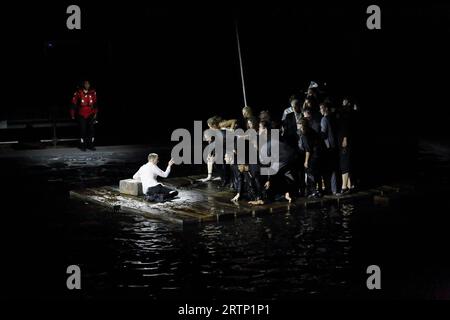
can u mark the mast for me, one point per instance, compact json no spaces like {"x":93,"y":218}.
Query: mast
{"x":240,"y":64}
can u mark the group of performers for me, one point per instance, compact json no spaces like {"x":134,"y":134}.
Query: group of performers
{"x":315,"y":150}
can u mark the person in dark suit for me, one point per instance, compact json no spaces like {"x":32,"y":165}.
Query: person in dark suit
{"x":345,"y":144}
{"x":290,"y":136}
{"x":331,"y":156}
{"x":290,"y":132}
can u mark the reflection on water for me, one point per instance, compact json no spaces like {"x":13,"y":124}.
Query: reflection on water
{"x":306,"y":253}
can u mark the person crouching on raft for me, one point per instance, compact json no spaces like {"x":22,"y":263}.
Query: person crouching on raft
{"x":148,"y":174}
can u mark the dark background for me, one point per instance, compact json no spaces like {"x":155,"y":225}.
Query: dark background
{"x":161,"y":66}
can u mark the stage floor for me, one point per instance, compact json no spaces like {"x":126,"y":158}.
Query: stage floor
{"x":200,"y":202}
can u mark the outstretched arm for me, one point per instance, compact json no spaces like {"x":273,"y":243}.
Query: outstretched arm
{"x":228,"y":124}
{"x":164,"y":174}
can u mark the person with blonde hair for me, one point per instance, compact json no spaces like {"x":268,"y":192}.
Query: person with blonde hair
{"x":247,"y":112}
{"x":148,"y":174}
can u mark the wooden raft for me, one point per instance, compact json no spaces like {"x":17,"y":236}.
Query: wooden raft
{"x":200,"y":202}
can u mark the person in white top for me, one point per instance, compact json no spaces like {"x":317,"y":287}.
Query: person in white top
{"x":217,"y":126}
{"x":148,"y":174}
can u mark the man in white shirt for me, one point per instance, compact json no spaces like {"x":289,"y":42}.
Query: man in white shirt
{"x":148,"y":175}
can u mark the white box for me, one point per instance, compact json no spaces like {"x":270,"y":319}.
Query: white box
{"x":131,"y":187}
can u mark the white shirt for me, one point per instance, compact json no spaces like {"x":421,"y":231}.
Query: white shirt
{"x":286,"y":112}
{"x":148,"y":174}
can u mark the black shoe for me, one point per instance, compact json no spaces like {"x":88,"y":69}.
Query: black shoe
{"x":83,"y":147}
{"x":92,"y":148}
{"x":343,"y":192}
{"x":315,"y":195}
{"x":173,"y":194}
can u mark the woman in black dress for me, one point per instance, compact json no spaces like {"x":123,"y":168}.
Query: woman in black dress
{"x":345,"y":144}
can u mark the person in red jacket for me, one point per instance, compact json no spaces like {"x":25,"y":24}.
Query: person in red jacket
{"x":84,"y":106}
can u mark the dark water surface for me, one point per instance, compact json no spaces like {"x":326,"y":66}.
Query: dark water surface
{"x":305,"y":253}
{"x":302,"y":254}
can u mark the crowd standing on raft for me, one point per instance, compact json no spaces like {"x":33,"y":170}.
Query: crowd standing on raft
{"x":315,"y":152}
{"x":316,"y":149}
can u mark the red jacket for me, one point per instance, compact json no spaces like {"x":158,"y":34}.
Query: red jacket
{"x":84,"y":103}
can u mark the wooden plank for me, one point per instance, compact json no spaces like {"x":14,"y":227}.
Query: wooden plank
{"x":118,"y":206}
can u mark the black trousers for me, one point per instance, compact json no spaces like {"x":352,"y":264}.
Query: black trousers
{"x":225,"y":174}
{"x":330,"y":170}
{"x":312,"y":177}
{"x":285,"y":180}
{"x":248,"y":183}
{"x":301,"y":173}
{"x":87,"y":130}
{"x":160,"y":193}
{"x":345,"y":160}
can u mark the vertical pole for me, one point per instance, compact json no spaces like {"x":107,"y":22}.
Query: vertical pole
{"x":240,"y":64}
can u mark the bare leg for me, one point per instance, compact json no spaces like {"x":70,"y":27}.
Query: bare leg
{"x":288,"y":197}
{"x":345,"y":181}
{"x":209,"y":164}
{"x":349,"y":183}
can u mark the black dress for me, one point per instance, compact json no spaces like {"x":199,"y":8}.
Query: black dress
{"x":290,"y":132}
{"x":344,"y":125}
